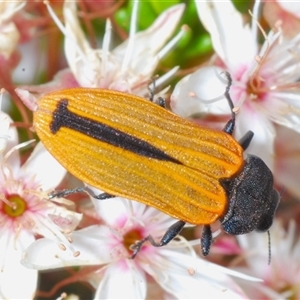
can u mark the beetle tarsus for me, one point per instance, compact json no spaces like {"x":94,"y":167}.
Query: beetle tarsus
{"x":66,"y":192}
{"x":169,"y":235}
{"x":161,"y":102}
{"x":101,"y":196}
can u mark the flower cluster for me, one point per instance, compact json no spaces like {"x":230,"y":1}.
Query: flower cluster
{"x":50,"y":46}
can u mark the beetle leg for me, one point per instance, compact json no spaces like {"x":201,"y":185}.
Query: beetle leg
{"x":206,"y":240}
{"x":161,"y":102}
{"x":170,"y":234}
{"x":101,"y":196}
{"x":64,"y":193}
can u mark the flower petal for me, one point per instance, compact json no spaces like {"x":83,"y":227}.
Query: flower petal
{"x":262,"y":143}
{"x":122,"y":280}
{"x":189,"y":277}
{"x":147,"y":43}
{"x":116,"y":211}
{"x":82,"y":59}
{"x":9,"y":34}
{"x":287,"y":168}
{"x":46,"y":169}
{"x":194,"y":93}
{"x":92,"y":243}
{"x":12,"y":275}
{"x":110,"y":210}
{"x":226,"y":26}
{"x":291,"y":7}
{"x":9,"y":139}
{"x":284,"y":108}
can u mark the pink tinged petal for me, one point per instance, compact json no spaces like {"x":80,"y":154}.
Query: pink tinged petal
{"x":9,"y":8}
{"x":226,"y":26}
{"x":30,"y":100}
{"x":44,"y":167}
{"x":31,"y":94}
{"x":226,"y":245}
{"x":62,"y":80}
{"x":122,"y":280}
{"x":125,"y":214}
{"x":188,"y":277}
{"x":111,"y":209}
{"x":12,"y":273}
{"x":94,"y":244}
{"x":146,"y":44}
{"x":55,"y":223}
{"x":199,"y":93}
{"x":155,"y":221}
{"x":287,"y":167}
{"x":64,"y":219}
{"x":279,"y":65}
{"x":293,"y":7}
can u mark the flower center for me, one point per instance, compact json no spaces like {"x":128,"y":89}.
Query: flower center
{"x":131,"y":237}
{"x":17,"y":207}
{"x":255,"y":88}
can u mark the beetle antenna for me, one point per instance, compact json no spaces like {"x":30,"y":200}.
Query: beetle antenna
{"x":227,"y":95}
{"x":269,"y":247}
{"x":229,"y":127}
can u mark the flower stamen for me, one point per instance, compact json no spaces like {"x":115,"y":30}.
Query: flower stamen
{"x":7,"y":202}
{"x":131,"y":38}
{"x":5,"y":166}
{"x":172,"y":42}
{"x":131,"y":237}
{"x":16,"y":206}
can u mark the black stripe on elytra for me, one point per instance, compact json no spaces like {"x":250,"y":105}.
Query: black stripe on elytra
{"x":62,"y":117}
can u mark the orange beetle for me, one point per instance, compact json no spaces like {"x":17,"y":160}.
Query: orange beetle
{"x":130,"y":147}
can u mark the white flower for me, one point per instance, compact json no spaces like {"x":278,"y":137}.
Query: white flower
{"x":175,"y":267}
{"x":25,"y":212}
{"x":283,"y":13}
{"x":9,"y":34}
{"x":265,"y":79}
{"x":127,"y":67}
{"x":281,"y":278}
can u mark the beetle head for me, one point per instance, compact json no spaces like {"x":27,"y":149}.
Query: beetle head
{"x":252,"y":199}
